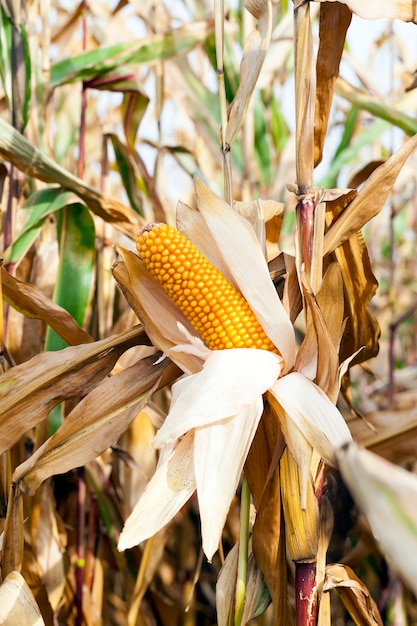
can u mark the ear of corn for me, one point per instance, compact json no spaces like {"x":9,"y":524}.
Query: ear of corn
{"x":214,"y":307}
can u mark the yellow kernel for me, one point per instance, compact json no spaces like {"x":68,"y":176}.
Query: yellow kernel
{"x":213,"y":306}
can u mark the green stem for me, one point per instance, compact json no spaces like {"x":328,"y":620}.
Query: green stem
{"x":242,"y":567}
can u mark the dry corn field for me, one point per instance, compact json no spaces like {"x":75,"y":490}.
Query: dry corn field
{"x":208,"y":383}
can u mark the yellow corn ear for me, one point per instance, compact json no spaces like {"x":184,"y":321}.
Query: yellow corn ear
{"x":214,"y":307}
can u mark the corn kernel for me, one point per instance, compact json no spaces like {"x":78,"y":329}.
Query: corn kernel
{"x":214,"y":307}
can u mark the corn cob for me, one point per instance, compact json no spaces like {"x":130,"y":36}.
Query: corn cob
{"x":214,"y":307}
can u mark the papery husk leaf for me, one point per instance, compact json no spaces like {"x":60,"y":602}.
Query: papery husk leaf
{"x":254,"y":52}
{"x":96,"y":422}
{"x":362,"y":329}
{"x":17,"y":604}
{"x":13,"y":536}
{"x":334,"y":22}
{"x":404,"y":10}
{"x":298,"y":445}
{"x":301,"y":525}
{"x":166,"y":493}
{"x":31,"y":302}
{"x":305,"y":93}
{"x":387,"y":495}
{"x":16,"y":149}
{"x":312,"y":412}
{"x":354,"y":594}
{"x":268,"y":535}
{"x":29,"y":391}
{"x":370,"y":200}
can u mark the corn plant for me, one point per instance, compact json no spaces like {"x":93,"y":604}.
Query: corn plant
{"x":207,"y":402}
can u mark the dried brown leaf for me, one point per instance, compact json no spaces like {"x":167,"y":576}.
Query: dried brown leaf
{"x":362,"y":329}
{"x":354,"y":595}
{"x":268,"y":535}
{"x":96,"y":422}
{"x":335,"y":19}
{"x":29,"y":391}
{"x":31,"y":302}
{"x":12,"y":548}
{"x":370,"y":199}
{"x":320,"y":347}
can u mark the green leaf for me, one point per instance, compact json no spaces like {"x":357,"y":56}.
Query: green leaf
{"x":95,"y":63}
{"x":39,"y":205}
{"x":76,"y":267}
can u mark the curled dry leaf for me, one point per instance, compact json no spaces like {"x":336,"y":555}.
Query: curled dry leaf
{"x":30,"y":301}
{"x":370,"y":199}
{"x":359,"y":283}
{"x":17,"y":604}
{"x":353,"y":593}
{"x":30,"y":391}
{"x":96,"y":422}
{"x":335,"y":19}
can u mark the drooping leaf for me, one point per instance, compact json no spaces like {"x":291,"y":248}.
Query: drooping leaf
{"x":369,"y":200}
{"x":95,"y":423}
{"x":30,"y":390}
{"x":335,"y":19}
{"x":353,"y":593}
{"x":103,"y":61}
{"x":32,"y":302}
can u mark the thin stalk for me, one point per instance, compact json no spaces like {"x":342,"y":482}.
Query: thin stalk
{"x":305,"y":593}
{"x":80,"y":564}
{"x":242,"y":567}
{"x":225,"y":148}
{"x":82,"y":488}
